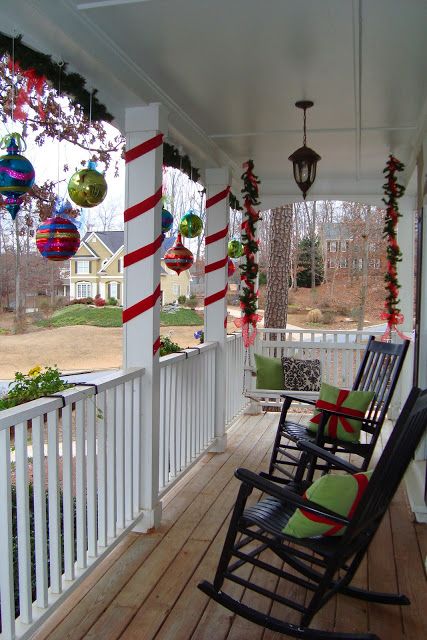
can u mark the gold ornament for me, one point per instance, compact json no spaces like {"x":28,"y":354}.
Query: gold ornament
{"x":87,"y":188}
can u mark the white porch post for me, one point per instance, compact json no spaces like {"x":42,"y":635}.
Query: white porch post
{"x":416,"y":475}
{"x":141,"y":314}
{"x":405,"y":270}
{"x":217,"y":215}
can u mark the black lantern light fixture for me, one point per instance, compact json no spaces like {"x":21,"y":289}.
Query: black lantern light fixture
{"x":304,"y":159}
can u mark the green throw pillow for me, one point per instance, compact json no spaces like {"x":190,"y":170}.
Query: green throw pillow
{"x":340,"y":494}
{"x":352,"y":403}
{"x":269,"y":372}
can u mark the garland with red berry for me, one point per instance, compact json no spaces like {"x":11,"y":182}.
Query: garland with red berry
{"x":249,"y":296}
{"x":392,"y":191}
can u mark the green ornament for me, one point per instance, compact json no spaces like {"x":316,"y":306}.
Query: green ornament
{"x":87,"y":188}
{"x":235,"y":249}
{"x":191,"y":225}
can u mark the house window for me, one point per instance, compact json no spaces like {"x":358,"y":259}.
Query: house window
{"x":375,"y":263}
{"x":84,"y":290}
{"x":343,"y":263}
{"x":332,"y":246}
{"x":330,"y":263}
{"x":82,"y":266}
{"x":176,"y":290}
{"x":120,"y":265}
{"x":344,"y":245}
{"x":358,"y":264}
{"x":113,"y":290}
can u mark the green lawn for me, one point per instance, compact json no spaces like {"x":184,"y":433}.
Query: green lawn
{"x":112,"y":317}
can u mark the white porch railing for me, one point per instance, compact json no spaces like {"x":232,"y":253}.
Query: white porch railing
{"x":235,"y":399}
{"x":76,"y":459}
{"x":72,"y":465}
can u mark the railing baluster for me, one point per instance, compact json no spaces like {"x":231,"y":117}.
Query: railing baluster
{"x":120,"y":456}
{"x":54,"y":513}
{"x":162,"y":427}
{"x":111,"y":463}
{"x":40,"y":532}
{"x":6,"y":542}
{"x":129,"y":445}
{"x":137,"y":425}
{"x":68,"y":494}
{"x":173,"y":423}
{"x":102,"y":467}
{"x":23,"y":522}
{"x":90,"y":410}
{"x":81,"y":519}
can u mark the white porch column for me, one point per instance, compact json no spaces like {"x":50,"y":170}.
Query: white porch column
{"x":416,"y":475}
{"x":141,"y":314}
{"x":216,"y":284}
{"x":405,"y":270}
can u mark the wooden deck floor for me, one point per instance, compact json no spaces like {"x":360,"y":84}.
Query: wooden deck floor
{"x":146,"y":588}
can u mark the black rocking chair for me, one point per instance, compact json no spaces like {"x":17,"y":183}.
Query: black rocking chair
{"x":322,"y":566}
{"x":378,"y":372}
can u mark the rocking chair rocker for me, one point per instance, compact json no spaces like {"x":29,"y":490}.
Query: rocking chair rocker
{"x":323,"y":566}
{"x":378,"y":373}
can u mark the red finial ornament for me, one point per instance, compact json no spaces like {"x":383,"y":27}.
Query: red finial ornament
{"x":178,"y":258}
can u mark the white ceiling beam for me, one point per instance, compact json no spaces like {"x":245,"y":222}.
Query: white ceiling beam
{"x":275,"y":132}
{"x":97,"y":4}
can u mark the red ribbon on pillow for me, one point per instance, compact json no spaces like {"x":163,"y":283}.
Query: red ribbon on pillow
{"x":362,"y":482}
{"x":333,"y":422}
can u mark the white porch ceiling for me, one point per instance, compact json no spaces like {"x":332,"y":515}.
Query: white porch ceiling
{"x":230,"y":71}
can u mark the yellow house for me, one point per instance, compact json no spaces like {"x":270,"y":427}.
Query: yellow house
{"x":97,"y":268}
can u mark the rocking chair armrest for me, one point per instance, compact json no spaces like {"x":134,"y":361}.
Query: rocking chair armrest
{"x":327,"y":456}
{"x":291,"y":398}
{"x":286,"y":495}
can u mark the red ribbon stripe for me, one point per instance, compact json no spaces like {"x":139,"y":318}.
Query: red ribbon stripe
{"x":217,"y":198}
{"x":141,"y":306}
{"x":335,"y":420}
{"x":143,"y":148}
{"x":156,"y":346}
{"x":143,"y":252}
{"x":216,"y":296}
{"x":219,"y":235}
{"x":214,"y":266}
{"x":142,"y":207}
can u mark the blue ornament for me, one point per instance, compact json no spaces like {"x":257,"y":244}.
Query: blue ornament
{"x":167,"y":220}
{"x":16,"y":173}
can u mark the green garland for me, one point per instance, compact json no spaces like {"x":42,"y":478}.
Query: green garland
{"x":72,"y":84}
{"x":392,"y":191}
{"x":249,"y":296}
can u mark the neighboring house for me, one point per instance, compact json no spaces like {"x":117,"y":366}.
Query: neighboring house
{"x":344,"y":251}
{"x":97,"y":268}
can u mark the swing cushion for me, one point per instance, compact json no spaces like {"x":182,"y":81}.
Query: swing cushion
{"x":339,"y":493}
{"x":352,"y":403}
{"x":269,"y":372}
{"x":301,"y":375}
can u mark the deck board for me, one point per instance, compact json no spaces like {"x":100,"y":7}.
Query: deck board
{"x":147,"y":588}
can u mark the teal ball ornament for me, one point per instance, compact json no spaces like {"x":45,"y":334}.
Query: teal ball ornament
{"x":167,"y":220}
{"x":16,"y":174}
{"x":191,"y":225}
{"x":235,"y":249}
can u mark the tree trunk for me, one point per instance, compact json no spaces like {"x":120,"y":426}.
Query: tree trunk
{"x":278,"y":267}
{"x":364,"y":285}
{"x":19,"y":315}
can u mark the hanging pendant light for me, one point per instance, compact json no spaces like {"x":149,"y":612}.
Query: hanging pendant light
{"x":304,"y":159}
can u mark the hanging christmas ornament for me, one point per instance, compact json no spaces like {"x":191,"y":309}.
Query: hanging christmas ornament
{"x":16,"y":173}
{"x":231,"y":267}
{"x":57,"y":238}
{"x":178,"y":258}
{"x":235,"y":249}
{"x":87,"y":187}
{"x":191,"y":225}
{"x":167,"y":220}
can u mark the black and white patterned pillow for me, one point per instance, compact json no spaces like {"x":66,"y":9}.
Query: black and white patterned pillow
{"x":301,"y":375}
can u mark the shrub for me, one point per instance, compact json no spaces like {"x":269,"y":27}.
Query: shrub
{"x":182,"y":299}
{"x":314,"y":316}
{"x":167,"y":346}
{"x":32,"y":385}
{"x":112,"y":302}
{"x":99,"y":302}
{"x":81,"y":301}
{"x":328,"y":316}
{"x":192,"y":302}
